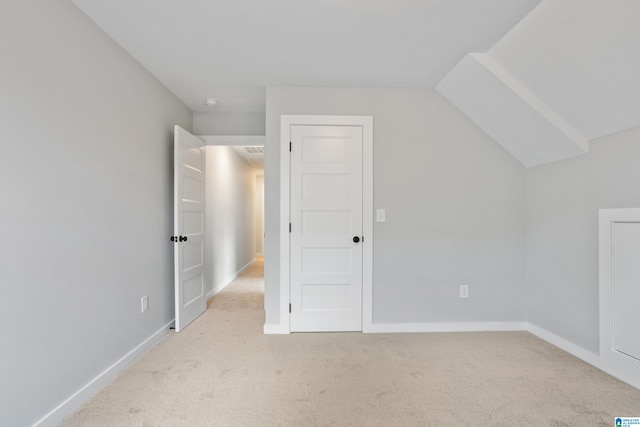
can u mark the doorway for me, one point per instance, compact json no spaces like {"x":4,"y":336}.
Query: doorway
{"x":233,"y":206}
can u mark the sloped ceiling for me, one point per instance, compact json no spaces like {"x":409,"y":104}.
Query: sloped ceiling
{"x":232,"y":50}
{"x":541,"y":78}
{"x":567,"y":73}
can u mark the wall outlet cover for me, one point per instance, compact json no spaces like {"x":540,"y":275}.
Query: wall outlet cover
{"x":464,"y":291}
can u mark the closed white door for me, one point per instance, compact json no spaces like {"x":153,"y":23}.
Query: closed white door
{"x":326,"y":228}
{"x":189,"y":180}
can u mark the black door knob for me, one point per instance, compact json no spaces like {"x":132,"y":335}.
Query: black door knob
{"x":173,"y":238}
{"x":183,"y":238}
{"x":356,"y":239}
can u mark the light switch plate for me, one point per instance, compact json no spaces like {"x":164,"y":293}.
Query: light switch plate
{"x":381,"y":215}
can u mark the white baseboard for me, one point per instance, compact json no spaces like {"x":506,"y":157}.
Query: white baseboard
{"x":74,"y":401}
{"x":274,"y":329}
{"x":446,"y":327}
{"x":627,"y":373}
{"x":228,"y":280}
{"x":277,"y":328}
{"x":566,"y":345}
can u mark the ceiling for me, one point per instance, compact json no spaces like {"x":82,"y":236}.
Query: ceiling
{"x":540,"y":77}
{"x":253,"y":155}
{"x":231,"y":50}
{"x":564,"y":75}
{"x":582,"y":58}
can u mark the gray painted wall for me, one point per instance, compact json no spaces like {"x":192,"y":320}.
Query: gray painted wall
{"x":563,"y":199}
{"x":455,"y":207}
{"x":229,"y":223}
{"x":86,"y":187}
{"x":228,"y":123}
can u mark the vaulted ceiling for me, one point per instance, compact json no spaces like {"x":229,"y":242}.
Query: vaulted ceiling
{"x":232,"y":49}
{"x":567,"y":73}
{"x":542,"y":78}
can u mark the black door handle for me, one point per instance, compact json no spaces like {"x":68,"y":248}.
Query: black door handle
{"x":174,"y":238}
{"x":183,"y":238}
{"x":356,"y":239}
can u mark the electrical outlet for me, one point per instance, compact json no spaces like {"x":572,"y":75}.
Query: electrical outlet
{"x":464,"y":291}
{"x":144,"y":304}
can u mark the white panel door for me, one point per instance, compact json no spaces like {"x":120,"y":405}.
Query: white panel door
{"x":326,"y":228}
{"x":626,"y":288}
{"x":189,"y":181}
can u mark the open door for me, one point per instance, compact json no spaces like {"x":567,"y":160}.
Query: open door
{"x":188,"y":238}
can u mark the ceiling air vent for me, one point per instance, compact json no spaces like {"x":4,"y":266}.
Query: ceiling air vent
{"x":254,"y":149}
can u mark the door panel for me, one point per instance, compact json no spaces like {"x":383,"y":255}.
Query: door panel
{"x":189,"y":180}
{"x":326,"y":213}
{"x":332,"y":189}
{"x":319,"y":297}
{"x":326,"y":261}
{"x":321,"y":224}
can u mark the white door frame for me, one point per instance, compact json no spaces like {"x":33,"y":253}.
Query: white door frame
{"x":366,"y":122}
{"x":616,"y":363}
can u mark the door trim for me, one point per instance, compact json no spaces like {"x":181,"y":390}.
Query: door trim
{"x":366,"y":122}
{"x":619,"y":364}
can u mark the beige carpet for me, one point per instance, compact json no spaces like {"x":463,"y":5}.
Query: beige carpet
{"x":222,"y":371}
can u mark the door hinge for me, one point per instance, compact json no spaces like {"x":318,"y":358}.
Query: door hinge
{"x":289,"y":308}
{"x":290,"y":146}
{"x":289,"y":227}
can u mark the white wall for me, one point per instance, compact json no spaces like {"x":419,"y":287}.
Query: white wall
{"x":229,"y":224}
{"x":86,"y":189}
{"x":454,"y":201}
{"x":563,"y":199}
{"x":259,"y":212}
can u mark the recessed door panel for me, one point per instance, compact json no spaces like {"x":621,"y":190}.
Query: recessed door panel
{"x":336,"y":297}
{"x":325,"y":150}
{"x":334,"y":188}
{"x":193,"y":290}
{"x":192,"y":188}
{"x":324,"y":224}
{"x":192,"y":221}
{"x":192,"y":256}
{"x":191,"y":158}
{"x":326,"y":261}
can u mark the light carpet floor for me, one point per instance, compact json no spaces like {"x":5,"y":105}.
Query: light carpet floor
{"x":222,"y":371}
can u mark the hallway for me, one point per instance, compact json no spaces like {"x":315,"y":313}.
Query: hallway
{"x":244,"y":293}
